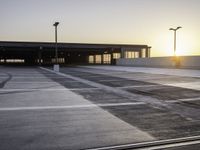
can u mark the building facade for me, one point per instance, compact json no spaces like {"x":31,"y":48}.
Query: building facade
{"x":43,"y":53}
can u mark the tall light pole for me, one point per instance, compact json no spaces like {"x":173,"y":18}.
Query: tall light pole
{"x":175,"y":38}
{"x":56,"y":66}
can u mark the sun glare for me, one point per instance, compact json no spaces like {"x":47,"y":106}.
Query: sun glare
{"x":181,"y":52}
{"x":184,"y":44}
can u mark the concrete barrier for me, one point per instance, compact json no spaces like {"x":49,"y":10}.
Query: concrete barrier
{"x":168,"y":62}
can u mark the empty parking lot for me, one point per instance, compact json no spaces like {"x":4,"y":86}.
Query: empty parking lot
{"x":98,"y":107}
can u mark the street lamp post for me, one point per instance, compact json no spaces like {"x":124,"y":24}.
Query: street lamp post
{"x":56,"y":66}
{"x":4,"y":55}
{"x":40,"y":55}
{"x":175,"y":38}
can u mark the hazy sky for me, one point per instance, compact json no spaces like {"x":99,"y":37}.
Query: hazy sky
{"x":105,"y":21}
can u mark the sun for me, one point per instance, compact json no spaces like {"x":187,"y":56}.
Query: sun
{"x":165,"y":44}
{"x":185,"y":43}
{"x":181,"y":52}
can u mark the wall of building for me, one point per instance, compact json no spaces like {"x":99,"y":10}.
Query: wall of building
{"x":171,"y":62}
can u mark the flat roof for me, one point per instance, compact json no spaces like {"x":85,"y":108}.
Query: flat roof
{"x":67,"y":45}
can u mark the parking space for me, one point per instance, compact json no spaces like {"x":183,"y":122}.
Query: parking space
{"x":90,"y":107}
{"x":161,"y":122}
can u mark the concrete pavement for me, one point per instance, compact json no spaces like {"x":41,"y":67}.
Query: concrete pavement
{"x":185,"y":78}
{"x":96,"y":107}
{"x":33,"y":115}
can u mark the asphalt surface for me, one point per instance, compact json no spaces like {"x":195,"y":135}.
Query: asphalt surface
{"x":92,"y":107}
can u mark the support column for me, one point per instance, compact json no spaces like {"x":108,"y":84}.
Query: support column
{"x":4,"y":55}
{"x":122,"y":53}
{"x":65,"y":57}
{"x":140,"y":53}
{"x":102,"y":59}
{"x":94,"y":59}
{"x":111,"y":59}
{"x":40,"y":57}
{"x":148,"y":51}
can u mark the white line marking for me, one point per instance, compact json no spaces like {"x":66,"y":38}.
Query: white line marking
{"x":39,"y":82}
{"x":33,"y":82}
{"x":11,"y":90}
{"x":75,"y":89}
{"x":71,"y":106}
{"x":139,"y":86}
{"x":33,"y":77}
{"x":109,"y":80}
{"x":170,"y":145}
{"x":151,"y":143}
{"x":184,"y":100}
{"x":59,"y":89}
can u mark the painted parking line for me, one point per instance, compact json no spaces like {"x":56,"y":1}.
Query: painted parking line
{"x":33,"y":77}
{"x":112,"y":80}
{"x":50,"y":89}
{"x":136,"y":86}
{"x":155,"y":145}
{"x":71,"y":106}
{"x":33,"y":82}
{"x":39,"y":82}
{"x":175,"y":145}
{"x":36,"y":82}
{"x":184,"y":100}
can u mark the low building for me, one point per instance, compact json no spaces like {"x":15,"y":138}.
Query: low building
{"x":43,"y":53}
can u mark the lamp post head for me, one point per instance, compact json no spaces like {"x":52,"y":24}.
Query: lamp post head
{"x":56,"y":24}
{"x":175,"y":29}
{"x":178,"y":28}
